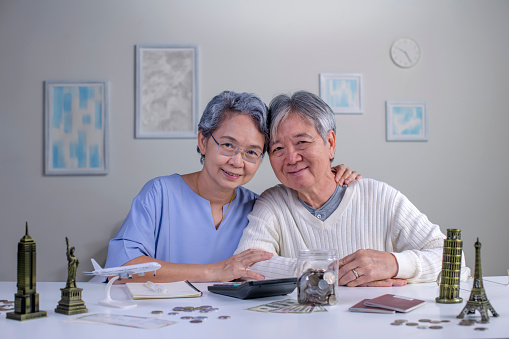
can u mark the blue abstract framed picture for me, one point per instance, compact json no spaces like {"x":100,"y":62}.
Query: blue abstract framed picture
{"x":342,"y":92}
{"x":407,"y":121}
{"x":76,"y":118}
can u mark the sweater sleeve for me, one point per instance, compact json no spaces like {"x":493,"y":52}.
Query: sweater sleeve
{"x":417,"y":243}
{"x":263,"y":233}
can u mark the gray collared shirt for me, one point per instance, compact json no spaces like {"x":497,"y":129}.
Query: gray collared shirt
{"x":330,"y":206}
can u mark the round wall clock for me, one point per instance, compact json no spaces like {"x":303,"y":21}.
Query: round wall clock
{"x":405,"y":52}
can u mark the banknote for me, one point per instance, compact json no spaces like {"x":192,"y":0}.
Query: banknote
{"x":287,"y":306}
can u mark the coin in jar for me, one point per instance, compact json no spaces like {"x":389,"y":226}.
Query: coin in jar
{"x":323,"y":285}
{"x":329,"y":276}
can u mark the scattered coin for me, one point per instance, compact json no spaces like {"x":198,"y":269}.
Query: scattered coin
{"x":208,"y":310}
{"x":411,"y":324}
{"x":435,"y":321}
{"x":400,"y":321}
{"x":422,"y":327}
{"x":201,"y":317}
{"x":436,"y":327}
{"x":157,"y":312}
{"x":223,"y":317}
{"x":446,"y":321}
{"x":396,"y":324}
{"x":178,"y":309}
{"x":424,"y":320}
{"x":480,"y":328}
{"x":173,"y":313}
{"x":466,"y":322}
{"x":189,"y":309}
{"x":196,"y":321}
{"x":186,"y":317}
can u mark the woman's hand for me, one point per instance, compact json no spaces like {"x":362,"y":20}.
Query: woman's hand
{"x":237,"y":266}
{"x":344,"y":175}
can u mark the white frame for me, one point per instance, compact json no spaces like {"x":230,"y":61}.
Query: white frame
{"x":353,"y":96}
{"x":76,"y":127}
{"x":160,"y":113}
{"x":396,"y":128}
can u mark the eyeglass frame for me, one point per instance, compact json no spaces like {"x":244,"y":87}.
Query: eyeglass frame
{"x":237,"y":151}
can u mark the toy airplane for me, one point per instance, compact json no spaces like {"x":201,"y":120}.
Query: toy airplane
{"x":118,"y":273}
{"x":124,"y":271}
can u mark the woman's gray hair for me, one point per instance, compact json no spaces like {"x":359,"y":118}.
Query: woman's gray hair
{"x":229,"y":103}
{"x":306,"y":105}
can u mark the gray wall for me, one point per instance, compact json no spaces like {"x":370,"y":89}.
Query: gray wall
{"x":458,"y":178}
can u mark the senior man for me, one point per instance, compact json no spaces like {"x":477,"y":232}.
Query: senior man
{"x":381,"y":237}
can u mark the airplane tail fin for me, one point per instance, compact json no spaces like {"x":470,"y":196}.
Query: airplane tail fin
{"x":96,"y":265}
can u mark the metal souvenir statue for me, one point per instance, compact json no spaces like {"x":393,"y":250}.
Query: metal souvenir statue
{"x":71,"y":302}
{"x":478,"y":300}
{"x":451,"y":269}
{"x":26,"y":300}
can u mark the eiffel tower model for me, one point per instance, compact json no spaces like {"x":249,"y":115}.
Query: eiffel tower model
{"x":478,"y":300}
{"x":26,"y":301}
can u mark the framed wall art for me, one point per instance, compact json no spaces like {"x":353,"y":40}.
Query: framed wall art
{"x":342,"y":92}
{"x":166,"y":91}
{"x":76,"y":118}
{"x":406,"y":121}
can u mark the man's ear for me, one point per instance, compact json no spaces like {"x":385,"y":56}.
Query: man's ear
{"x":331,"y":143}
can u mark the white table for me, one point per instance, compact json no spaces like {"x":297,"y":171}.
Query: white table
{"x":338,"y":322}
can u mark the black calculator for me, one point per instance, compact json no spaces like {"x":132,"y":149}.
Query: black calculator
{"x":255,"y":289}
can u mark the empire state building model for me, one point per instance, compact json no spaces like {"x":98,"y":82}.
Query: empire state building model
{"x":26,"y":301}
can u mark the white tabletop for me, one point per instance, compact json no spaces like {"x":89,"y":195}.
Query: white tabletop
{"x":338,"y":322}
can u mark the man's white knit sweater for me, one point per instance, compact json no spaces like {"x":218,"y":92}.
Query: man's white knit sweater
{"x":372,"y":215}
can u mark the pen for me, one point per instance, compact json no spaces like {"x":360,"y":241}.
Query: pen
{"x":155,"y":287}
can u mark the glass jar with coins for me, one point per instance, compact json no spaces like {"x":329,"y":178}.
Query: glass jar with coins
{"x":318,"y":277}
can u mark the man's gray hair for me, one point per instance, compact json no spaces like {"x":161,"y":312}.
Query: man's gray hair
{"x":229,"y":103}
{"x":306,"y":105}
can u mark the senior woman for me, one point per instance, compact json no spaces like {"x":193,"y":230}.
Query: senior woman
{"x":380,"y":235}
{"x":191,"y":224}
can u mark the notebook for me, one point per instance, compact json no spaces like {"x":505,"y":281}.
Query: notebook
{"x":360,"y":307}
{"x":178,"y":289}
{"x":395,"y":302}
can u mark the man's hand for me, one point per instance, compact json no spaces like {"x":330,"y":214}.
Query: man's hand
{"x":344,"y":175}
{"x":236,"y":266}
{"x":369,"y":268}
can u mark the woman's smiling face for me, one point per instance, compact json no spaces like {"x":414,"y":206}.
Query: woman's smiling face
{"x":229,"y":172}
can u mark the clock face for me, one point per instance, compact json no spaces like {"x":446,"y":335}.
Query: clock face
{"x":405,"y":52}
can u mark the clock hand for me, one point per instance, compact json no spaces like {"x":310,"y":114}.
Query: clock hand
{"x":405,"y":52}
